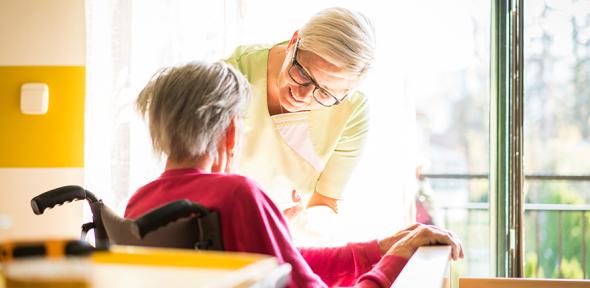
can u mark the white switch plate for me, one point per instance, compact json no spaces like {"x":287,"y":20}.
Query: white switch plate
{"x":5,"y":221}
{"x":34,"y":98}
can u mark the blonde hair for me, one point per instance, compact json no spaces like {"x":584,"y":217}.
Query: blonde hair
{"x":188,"y":108}
{"x":342,"y":37}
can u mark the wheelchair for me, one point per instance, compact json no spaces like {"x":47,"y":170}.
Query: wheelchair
{"x":180,"y":224}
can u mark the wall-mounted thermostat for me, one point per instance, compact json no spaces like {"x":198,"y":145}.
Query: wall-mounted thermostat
{"x":34,"y":98}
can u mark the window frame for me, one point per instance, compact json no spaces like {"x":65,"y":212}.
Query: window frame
{"x":506,"y":141}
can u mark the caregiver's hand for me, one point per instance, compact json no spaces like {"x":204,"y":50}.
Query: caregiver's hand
{"x":292,"y":212}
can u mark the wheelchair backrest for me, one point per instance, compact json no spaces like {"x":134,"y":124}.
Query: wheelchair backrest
{"x":178,"y":224}
{"x":193,"y":232}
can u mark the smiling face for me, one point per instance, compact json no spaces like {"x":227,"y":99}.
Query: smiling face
{"x":295,"y":97}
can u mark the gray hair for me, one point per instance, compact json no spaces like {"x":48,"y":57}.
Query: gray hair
{"x":189,"y":107}
{"x":342,"y":37}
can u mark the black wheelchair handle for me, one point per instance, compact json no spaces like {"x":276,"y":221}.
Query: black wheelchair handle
{"x":59,"y":196}
{"x":165,"y":215}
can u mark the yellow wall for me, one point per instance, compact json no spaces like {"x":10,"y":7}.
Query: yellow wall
{"x":55,"y":139}
{"x":42,"y":41}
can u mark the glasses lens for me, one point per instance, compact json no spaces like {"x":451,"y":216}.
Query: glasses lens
{"x":298,"y":75}
{"x":324,"y":98}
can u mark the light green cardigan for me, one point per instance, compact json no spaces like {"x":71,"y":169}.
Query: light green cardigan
{"x":336,"y":134}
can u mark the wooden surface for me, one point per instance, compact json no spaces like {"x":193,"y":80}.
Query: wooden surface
{"x":125,"y":266}
{"x":468,"y":282}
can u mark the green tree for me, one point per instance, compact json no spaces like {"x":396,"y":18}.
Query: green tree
{"x":560,"y":233}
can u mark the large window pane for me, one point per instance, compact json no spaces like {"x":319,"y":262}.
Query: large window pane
{"x":557,"y":134}
{"x":468,"y":218}
{"x":452,"y":114}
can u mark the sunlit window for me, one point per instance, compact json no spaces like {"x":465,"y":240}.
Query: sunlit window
{"x":557,"y":138}
{"x":450,"y":83}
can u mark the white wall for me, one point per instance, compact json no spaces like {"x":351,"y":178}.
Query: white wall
{"x":49,"y":34}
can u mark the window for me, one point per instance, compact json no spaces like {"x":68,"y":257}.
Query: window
{"x":557,"y":138}
{"x":451,"y":87}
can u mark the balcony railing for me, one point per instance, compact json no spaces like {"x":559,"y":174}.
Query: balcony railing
{"x":533,"y":212}
{"x":526,"y":177}
{"x":536,"y":210}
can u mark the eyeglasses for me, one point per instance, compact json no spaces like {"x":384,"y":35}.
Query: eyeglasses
{"x":302,"y":78}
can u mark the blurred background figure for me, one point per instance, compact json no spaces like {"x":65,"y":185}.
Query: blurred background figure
{"x":424,"y":202}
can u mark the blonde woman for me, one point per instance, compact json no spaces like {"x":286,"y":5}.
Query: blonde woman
{"x":306,"y":123}
{"x":194,"y":117}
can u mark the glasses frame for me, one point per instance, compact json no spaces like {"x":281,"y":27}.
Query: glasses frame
{"x":312,"y":81}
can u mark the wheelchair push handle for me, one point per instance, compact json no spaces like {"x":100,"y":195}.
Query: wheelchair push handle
{"x":165,"y":215}
{"x":59,"y":196}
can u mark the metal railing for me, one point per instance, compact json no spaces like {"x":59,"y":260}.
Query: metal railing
{"x":535,"y":209}
{"x":526,"y":177}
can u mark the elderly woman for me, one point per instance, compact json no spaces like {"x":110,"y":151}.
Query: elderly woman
{"x":306,"y":123}
{"x":194,"y":114}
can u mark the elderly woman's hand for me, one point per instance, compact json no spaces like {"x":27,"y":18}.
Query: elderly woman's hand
{"x":385,"y":244}
{"x":405,"y":242}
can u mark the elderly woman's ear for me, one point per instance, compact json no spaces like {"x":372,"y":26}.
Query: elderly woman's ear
{"x":226,"y":148}
{"x":232,"y":138}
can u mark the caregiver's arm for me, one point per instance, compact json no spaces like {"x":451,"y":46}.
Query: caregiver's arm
{"x":318,"y":199}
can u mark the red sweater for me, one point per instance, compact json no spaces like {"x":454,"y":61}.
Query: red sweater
{"x":250,"y":222}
